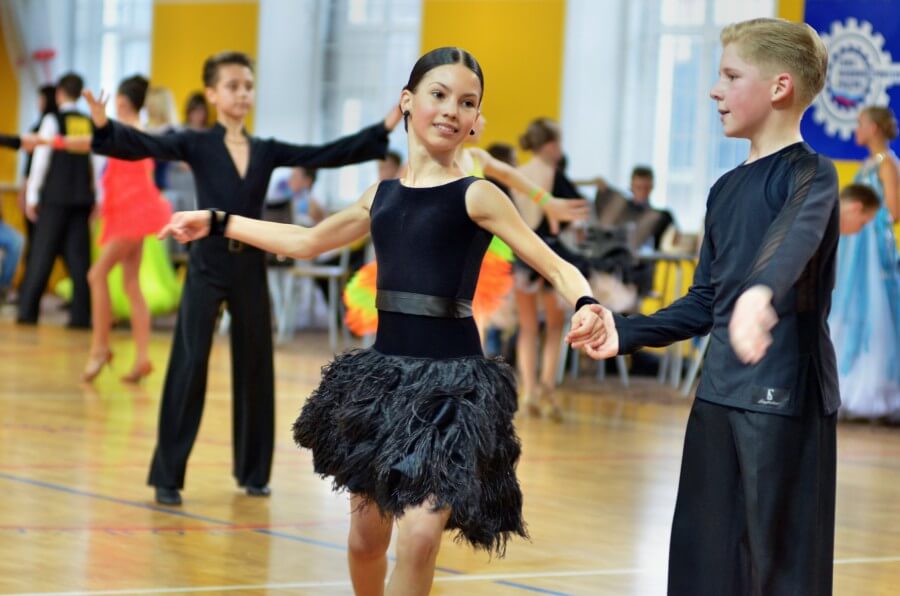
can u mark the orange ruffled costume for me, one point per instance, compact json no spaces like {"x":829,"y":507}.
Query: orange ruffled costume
{"x":132,"y":205}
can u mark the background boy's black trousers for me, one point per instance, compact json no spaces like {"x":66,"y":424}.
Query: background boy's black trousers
{"x":60,"y":230}
{"x":220,"y":270}
{"x":755,"y":508}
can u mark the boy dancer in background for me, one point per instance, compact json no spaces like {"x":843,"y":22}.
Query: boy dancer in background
{"x":231,"y":169}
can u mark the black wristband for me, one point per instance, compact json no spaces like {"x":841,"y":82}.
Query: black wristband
{"x":585,"y":300}
{"x":218,"y":221}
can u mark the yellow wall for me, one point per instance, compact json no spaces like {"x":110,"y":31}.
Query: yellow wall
{"x":9,"y":115}
{"x":9,"y":124}
{"x":791,"y":10}
{"x":520,"y":48}
{"x":794,"y":10}
{"x":185,"y":33}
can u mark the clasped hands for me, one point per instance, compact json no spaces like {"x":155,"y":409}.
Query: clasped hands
{"x":749,"y":331}
{"x":593,"y":331}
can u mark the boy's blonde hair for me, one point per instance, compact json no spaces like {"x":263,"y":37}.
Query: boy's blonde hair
{"x":779,"y":44}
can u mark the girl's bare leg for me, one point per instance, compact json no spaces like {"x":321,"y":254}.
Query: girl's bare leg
{"x":554,"y":319}
{"x":140,"y":316}
{"x":418,"y":543}
{"x":101,"y":312}
{"x":526,"y":348}
{"x":370,"y":536}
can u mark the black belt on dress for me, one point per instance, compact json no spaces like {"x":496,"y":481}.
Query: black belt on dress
{"x":409,"y":303}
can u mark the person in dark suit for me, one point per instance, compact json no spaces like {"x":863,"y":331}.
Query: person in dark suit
{"x":231,"y":169}
{"x":755,"y":507}
{"x":60,"y":199}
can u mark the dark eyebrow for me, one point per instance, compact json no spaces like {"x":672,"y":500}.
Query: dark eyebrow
{"x":448,"y":89}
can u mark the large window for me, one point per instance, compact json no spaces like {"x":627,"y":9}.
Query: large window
{"x":636,"y":91}
{"x":370,"y":45}
{"x":123,"y":28}
{"x":690,"y":151}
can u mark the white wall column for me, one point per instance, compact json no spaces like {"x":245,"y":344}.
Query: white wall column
{"x":289,"y":70}
{"x":593,"y":81}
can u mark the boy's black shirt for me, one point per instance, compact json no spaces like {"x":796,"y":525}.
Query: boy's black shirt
{"x":218,"y":183}
{"x":772,"y":222}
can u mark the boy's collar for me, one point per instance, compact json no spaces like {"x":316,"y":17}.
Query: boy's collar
{"x":220,"y":129}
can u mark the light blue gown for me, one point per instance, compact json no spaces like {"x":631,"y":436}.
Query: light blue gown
{"x":865,"y":315}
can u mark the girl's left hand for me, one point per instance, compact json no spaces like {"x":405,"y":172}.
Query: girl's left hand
{"x":587,"y":327}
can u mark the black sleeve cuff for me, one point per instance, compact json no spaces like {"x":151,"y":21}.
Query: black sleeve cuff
{"x":101,"y":135}
{"x":625,"y":340}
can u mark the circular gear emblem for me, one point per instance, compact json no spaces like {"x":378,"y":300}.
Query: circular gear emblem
{"x":859,"y":75}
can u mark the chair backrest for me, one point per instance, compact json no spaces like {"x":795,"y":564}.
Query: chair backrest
{"x":609,"y":204}
{"x":279,"y":213}
{"x":645,"y":226}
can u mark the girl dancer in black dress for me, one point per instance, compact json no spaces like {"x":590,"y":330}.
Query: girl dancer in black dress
{"x":419,"y":427}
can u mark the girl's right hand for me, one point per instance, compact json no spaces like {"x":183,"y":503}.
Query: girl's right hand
{"x":97,"y":106}
{"x":186,"y":226}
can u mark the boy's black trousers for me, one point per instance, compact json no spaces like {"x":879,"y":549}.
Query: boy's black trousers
{"x":220,"y":270}
{"x":755,"y":509}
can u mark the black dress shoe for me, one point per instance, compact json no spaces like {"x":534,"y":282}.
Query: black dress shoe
{"x":168,"y":496}
{"x":258,"y":491}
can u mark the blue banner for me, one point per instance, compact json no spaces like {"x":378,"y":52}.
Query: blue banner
{"x":862,"y":38}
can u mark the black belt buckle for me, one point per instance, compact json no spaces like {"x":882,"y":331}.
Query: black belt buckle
{"x":235,"y":245}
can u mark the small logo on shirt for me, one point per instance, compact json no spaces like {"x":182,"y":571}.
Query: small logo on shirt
{"x":771,"y":397}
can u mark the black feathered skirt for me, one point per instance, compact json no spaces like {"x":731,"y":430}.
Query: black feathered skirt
{"x":400,"y":431}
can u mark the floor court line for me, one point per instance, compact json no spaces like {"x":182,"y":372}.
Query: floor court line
{"x":170,"y":511}
{"x":500,"y":578}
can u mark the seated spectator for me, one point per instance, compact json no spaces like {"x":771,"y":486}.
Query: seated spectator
{"x":650,"y":223}
{"x":196,"y":112}
{"x":296,"y":189}
{"x":859,"y":205}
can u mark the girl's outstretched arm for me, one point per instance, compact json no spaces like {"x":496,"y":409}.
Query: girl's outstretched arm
{"x":290,"y":240}
{"x":556,"y":210}
{"x":489,"y":208}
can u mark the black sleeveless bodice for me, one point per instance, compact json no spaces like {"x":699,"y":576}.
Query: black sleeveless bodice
{"x":425,"y":243}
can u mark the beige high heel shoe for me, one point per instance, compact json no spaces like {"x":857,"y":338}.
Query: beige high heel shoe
{"x":138,"y":372}
{"x":548,"y":394}
{"x":532,"y":404}
{"x":94,"y":365}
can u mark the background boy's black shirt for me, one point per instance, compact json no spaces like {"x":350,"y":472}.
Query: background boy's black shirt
{"x":772,"y":222}
{"x":218,"y":183}
{"x":69,"y":181}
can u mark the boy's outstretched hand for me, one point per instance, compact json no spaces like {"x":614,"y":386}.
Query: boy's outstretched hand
{"x":97,"y":106}
{"x":30,"y":141}
{"x":607,"y":345}
{"x":751,"y":321}
{"x":393,"y":118}
{"x":186,"y":226}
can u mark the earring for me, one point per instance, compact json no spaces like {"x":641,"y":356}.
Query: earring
{"x":406,"y":113}
{"x":472,"y":132}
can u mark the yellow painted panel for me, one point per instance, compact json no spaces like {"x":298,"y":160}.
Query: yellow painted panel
{"x":791,"y":10}
{"x":519,"y":45}
{"x":186,"y":33}
{"x":9,"y":115}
